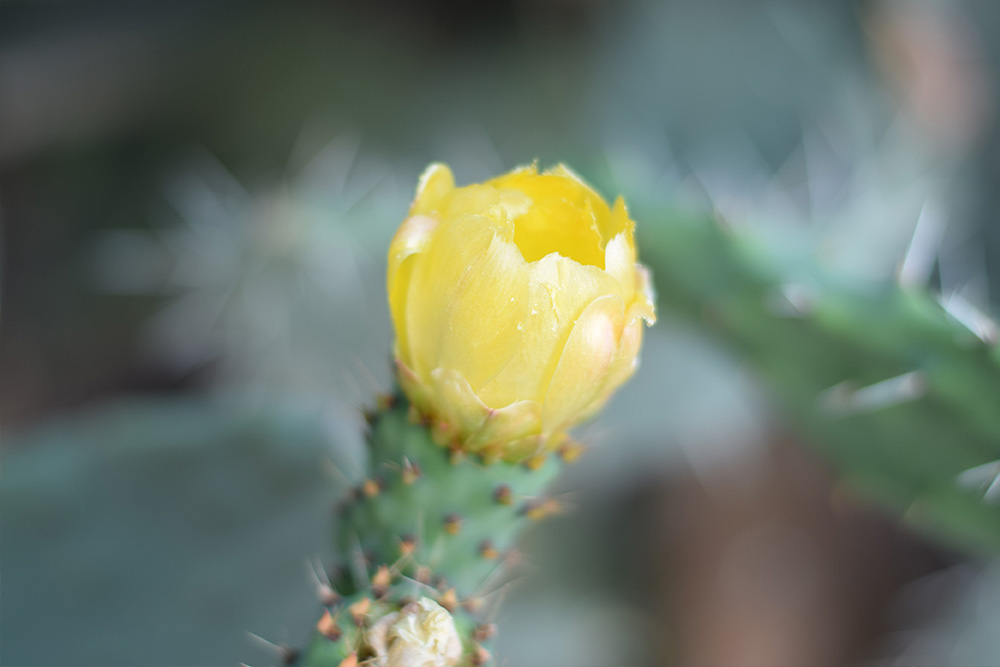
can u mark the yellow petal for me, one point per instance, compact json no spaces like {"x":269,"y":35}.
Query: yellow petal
{"x":410,"y":240}
{"x":610,"y":222}
{"x":434,"y":284}
{"x":627,"y":356}
{"x":411,"y":237}
{"x":399,"y":291}
{"x":620,"y":223}
{"x":435,"y":184}
{"x":584,"y":363}
{"x":485,"y":318}
{"x":565,"y":215}
{"x":479,"y":200}
{"x":558,"y":291}
{"x":624,"y":364}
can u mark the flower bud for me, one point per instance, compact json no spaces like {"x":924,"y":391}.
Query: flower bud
{"x":421,"y":634}
{"x":518,"y":306}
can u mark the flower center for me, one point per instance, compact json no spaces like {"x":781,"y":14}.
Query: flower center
{"x":555,"y":214}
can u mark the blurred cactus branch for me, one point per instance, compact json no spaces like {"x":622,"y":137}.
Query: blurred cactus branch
{"x":897,"y":389}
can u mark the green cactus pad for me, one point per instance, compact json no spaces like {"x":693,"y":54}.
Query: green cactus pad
{"x":894,"y":389}
{"x":453,"y":506}
{"x":440,"y":523}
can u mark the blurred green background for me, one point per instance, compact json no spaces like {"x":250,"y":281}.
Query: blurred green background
{"x":196,"y":199}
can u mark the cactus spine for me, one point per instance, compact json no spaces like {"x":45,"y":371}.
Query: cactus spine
{"x":428,"y":522}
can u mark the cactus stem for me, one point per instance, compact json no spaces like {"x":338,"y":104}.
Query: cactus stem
{"x":425,"y":521}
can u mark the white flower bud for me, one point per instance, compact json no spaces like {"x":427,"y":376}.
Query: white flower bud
{"x":422,"y":634}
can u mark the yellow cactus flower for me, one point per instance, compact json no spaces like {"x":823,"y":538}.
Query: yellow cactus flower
{"x":518,"y":306}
